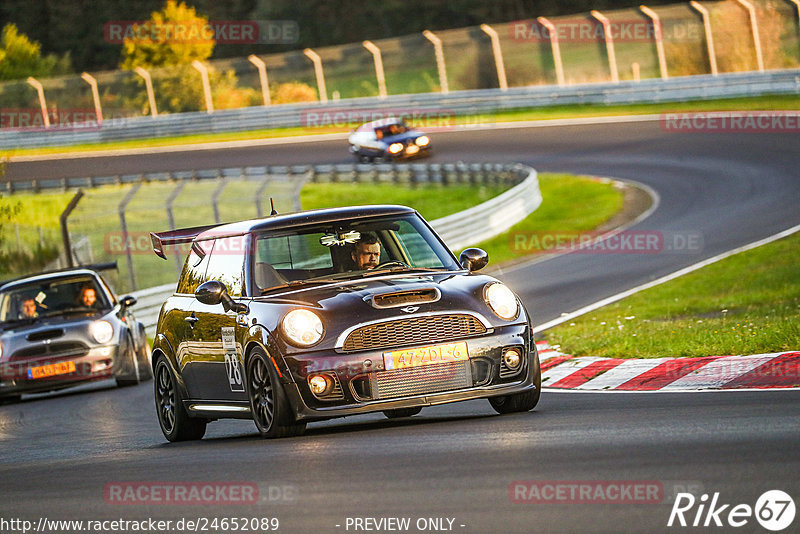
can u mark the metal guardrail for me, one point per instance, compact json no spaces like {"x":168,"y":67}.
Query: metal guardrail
{"x":459,"y":230}
{"x":484,"y":101}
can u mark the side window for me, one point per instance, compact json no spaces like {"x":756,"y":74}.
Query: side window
{"x":226,"y":263}
{"x":193,"y":274}
{"x":415,"y":247}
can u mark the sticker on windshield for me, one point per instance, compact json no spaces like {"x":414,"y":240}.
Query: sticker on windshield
{"x":40,"y":297}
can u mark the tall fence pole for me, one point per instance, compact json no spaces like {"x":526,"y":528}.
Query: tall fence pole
{"x":33,"y":82}
{"x":319,"y":73}
{"x":609,"y":38}
{"x":62,"y":219}
{"x":440,"y":65}
{"x":203,"y":70}
{"x":498,"y":55}
{"x":712,"y":55}
{"x":148,"y":84}
{"x":262,"y":76}
{"x":260,"y":196}
{"x":751,"y":10}
{"x":98,"y":109}
{"x":173,"y":196}
{"x":123,"y":225}
{"x":215,"y":198}
{"x":378,"y":59}
{"x":554,"y":45}
{"x":658,"y":36}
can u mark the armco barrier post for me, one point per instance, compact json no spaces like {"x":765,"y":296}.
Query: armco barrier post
{"x":751,"y":10}
{"x":123,"y":226}
{"x":378,"y":59}
{"x":498,"y":55}
{"x":148,"y":83}
{"x":171,"y":219}
{"x":712,"y":55}
{"x":203,"y":70}
{"x":609,"y":38}
{"x":33,"y":82}
{"x":64,"y":230}
{"x":658,"y":36}
{"x":440,"y":65}
{"x":98,"y":109}
{"x":319,"y":73}
{"x":262,"y":76}
{"x":551,"y":29}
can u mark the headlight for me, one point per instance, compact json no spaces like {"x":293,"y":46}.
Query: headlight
{"x":302,"y":327}
{"x":501,"y":300}
{"x":1,"y":349}
{"x":422,"y":140}
{"x":101,"y":331}
{"x":394,"y":148}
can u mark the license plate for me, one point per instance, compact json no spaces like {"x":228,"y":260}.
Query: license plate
{"x":60,"y":368}
{"x":449,"y":352}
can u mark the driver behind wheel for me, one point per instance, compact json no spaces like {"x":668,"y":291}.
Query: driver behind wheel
{"x":367,"y":252}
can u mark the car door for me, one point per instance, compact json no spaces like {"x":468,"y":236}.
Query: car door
{"x":216,"y":347}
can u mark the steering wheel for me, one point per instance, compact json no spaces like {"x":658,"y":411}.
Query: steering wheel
{"x":390,"y":263}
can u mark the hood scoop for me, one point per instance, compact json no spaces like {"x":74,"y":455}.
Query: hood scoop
{"x":397,"y":299}
{"x":41,"y":335}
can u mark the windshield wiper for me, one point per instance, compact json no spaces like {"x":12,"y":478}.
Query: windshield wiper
{"x":68,"y":311}
{"x":400,"y":268}
{"x":23,"y":320}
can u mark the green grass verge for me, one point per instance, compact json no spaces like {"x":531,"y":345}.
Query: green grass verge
{"x":746,"y":304}
{"x":569,"y":204}
{"x":774,"y":102}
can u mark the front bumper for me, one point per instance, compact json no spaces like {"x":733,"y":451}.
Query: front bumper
{"x":16,"y":376}
{"x":357,"y":375}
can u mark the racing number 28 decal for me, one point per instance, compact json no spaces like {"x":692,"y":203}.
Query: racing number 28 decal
{"x":232,"y":365}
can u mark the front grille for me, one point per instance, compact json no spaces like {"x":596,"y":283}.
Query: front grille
{"x":71,"y":349}
{"x":414,"y":330}
{"x":423,"y":379}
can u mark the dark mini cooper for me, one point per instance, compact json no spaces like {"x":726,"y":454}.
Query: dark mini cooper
{"x":387,"y":140}
{"x":62,"y":328}
{"x":327,"y":313}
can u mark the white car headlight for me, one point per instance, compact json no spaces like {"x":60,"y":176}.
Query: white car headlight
{"x":422,"y":140}
{"x":394,"y":148}
{"x":101,"y":331}
{"x":501,"y":300}
{"x":302,"y":327}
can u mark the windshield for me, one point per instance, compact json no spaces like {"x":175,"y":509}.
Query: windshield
{"x":391,"y":129}
{"x":342,"y":250}
{"x":52,"y":297}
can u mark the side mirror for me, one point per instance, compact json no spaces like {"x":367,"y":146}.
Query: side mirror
{"x":214,"y":292}
{"x":127,"y":301}
{"x":473,"y":259}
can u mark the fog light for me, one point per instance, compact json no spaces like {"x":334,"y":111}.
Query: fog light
{"x":412,"y":149}
{"x":319,"y":384}
{"x":512,"y":358}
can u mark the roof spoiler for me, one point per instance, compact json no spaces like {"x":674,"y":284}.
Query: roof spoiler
{"x":176,"y":237}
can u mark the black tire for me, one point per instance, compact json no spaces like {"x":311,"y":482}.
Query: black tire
{"x":126,"y":374}
{"x":521,"y":402}
{"x":272,"y":414}
{"x":402,"y":412}
{"x":173,"y":419}
{"x":364,"y":158}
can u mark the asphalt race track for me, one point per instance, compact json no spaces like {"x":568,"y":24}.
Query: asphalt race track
{"x":62,"y":454}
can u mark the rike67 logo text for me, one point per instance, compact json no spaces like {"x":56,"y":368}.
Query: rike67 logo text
{"x":774,"y":510}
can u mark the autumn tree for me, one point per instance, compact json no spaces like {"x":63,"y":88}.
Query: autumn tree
{"x":20,"y":57}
